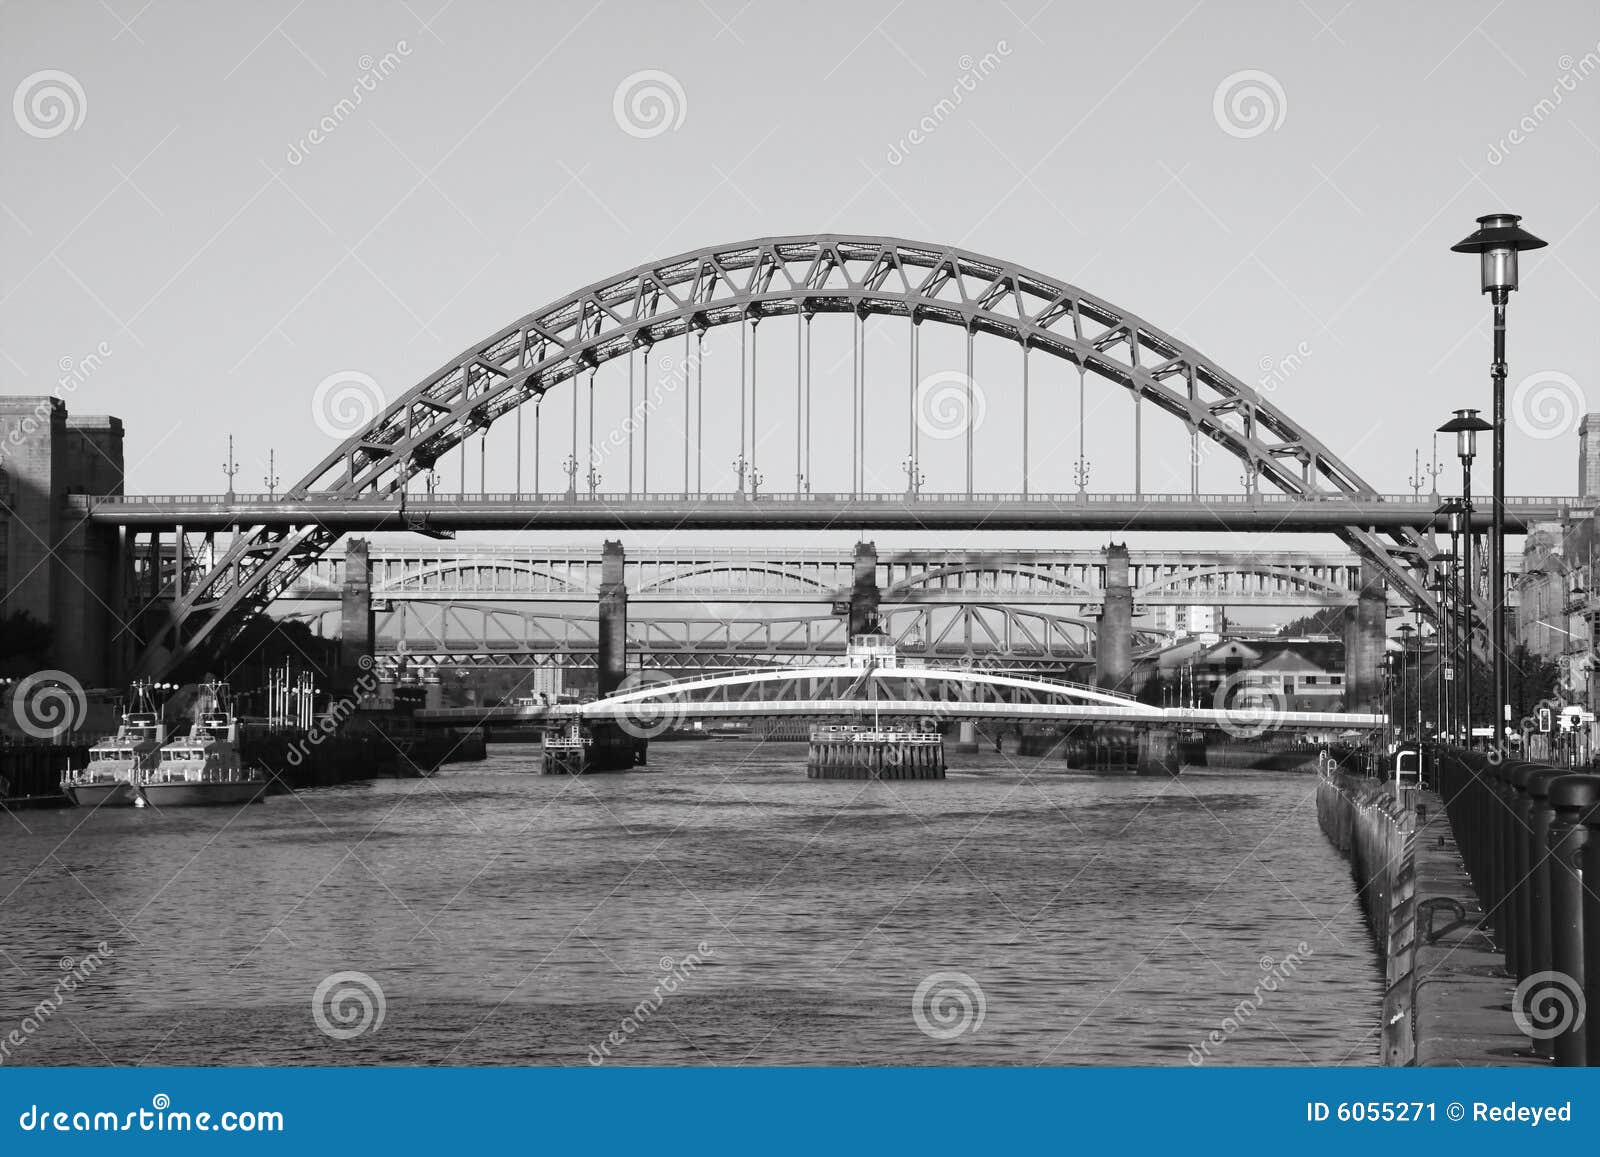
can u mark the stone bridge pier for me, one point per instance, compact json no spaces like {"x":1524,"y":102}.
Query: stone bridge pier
{"x":1364,"y":638}
{"x":864,"y":593}
{"x":1113,"y":649}
{"x":612,"y":748}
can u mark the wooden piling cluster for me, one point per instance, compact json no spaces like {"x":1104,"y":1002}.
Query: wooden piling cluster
{"x":605,"y":747}
{"x":565,"y":752}
{"x":848,"y":752}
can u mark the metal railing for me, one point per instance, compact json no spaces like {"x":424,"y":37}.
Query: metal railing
{"x":564,"y":498}
{"x":1529,"y":835}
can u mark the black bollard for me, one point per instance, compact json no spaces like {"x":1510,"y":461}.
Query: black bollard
{"x":1591,"y":929}
{"x":1521,"y":858}
{"x":1572,"y":797}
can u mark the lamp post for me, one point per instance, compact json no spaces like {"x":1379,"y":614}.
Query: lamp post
{"x":1444,"y":644}
{"x":1466,"y":426}
{"x":230,"y":468}
{"x":1405,"y":631}
{"x":1497,"y":241}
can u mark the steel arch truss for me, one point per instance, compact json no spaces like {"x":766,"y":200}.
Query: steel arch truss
{"x":474,"y":634}
{"x":927,"y":695}
{"x":861,"y":275}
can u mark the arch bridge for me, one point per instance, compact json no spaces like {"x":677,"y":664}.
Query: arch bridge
{"x":900,"y":691}
{"x":632,"y":360}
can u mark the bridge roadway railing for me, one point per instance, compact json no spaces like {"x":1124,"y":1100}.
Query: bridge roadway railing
{"x":992,"y":510}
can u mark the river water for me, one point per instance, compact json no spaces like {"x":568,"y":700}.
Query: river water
{"x":716,"y":908}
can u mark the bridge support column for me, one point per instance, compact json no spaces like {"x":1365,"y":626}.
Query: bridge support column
{"x":967,"y":738}
{"x":864,"y":593}
{"x":356,"y":624}
{"x":1113,"y":652}
{"x":612,"y":630}
{"x":1364,"y":637}
{"x":60,"y":571}
{"x":1158,"y":752}
{"x":612,"y":748}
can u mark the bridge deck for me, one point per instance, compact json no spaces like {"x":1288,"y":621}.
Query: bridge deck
{"x":733,"y":511}
{"x":602,"y":711}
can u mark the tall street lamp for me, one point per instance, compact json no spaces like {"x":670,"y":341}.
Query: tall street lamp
{"x":1444,"y":645}
{"x":1405,"y":630}
{"x":1466,"y":426}
{"x":1497,"y":241}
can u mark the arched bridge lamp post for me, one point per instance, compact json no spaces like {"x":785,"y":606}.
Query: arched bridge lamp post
{"x":1466,"y":426}
{"x":914,"y":477}
{"x":1497,"y":241}
{"x":570,"y":468}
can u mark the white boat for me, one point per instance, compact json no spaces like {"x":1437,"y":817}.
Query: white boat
{"x":203,"y":767}
{"x":117,"y":762}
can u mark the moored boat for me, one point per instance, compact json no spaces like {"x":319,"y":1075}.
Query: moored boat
{"x":203,"y":767}
{"x":117,"y":762}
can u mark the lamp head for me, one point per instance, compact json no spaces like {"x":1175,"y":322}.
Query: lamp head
{"x":1465,"y":426}
{"x":1497,"y":241}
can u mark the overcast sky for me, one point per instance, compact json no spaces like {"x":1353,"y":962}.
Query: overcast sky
{"x":175,"y":221}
